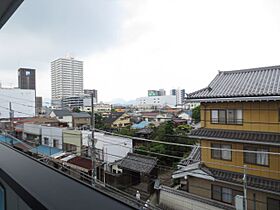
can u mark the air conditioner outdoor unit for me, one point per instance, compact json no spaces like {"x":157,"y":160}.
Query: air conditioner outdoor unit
{"x":239,"y":202}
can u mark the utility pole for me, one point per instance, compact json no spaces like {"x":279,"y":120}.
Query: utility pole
{"x":93,"y":155}
{"x":11,"y":115}
{"x":245,"y":187}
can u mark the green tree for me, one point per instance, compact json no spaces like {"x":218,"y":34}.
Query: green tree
{"x":76,"y":109}
{"x":196,"y":114}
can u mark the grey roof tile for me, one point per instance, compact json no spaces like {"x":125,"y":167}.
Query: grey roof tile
{"x":138,"y":163}
{"x":264,"y":81}
{"x":235,"y":135}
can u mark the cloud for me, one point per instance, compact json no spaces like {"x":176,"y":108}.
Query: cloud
{"x":130,"y":46}
{"x":169,"y":44}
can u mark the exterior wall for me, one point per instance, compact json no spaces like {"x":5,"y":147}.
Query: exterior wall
{"x":27,"y":78}
{"x":66,"y":78}
{"x":64,"y":119}
{"x":257,"y":116}
{"x":53,"y":133}
{"x":255,"y":199}
{"x":272,"y":171}
{"x":122,"y":121}
{"x":12,"y":199}
{"x":23,"y":102}
{"x":32,"y":129}
{"x":113,"y":147}
{"x":178,"y":200}
{"x":73,"y":137}
{"x":156,"y":101}
{"x":81,"y":121}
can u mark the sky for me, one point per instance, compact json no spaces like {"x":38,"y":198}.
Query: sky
{"x":130,"y":46}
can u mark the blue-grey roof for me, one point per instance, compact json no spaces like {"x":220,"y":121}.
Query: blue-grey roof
{"x":256,"y":82}
{"x":45,"y":150}
{"x":80,"y":115}
{"x":62,"y":112}
{"x":140,"y":125}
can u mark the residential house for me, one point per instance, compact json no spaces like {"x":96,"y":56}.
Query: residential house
{"x":118,"y":120}
{"x":239,"y":139}
{"x":156,"y":117}
{"x":140,"y":171}
{"x":63,"y":115}
{"x":52,"y":136}
{"x":81,"y":119}
{"x":72,"y":141}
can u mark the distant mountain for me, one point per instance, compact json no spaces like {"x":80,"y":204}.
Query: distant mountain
{"x":120,"y":101}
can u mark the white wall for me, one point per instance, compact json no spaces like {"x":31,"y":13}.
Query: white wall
{"x":32,"y":128}
{"x":52,"y":133}
{"x":65,"y":119}
{"x":156,"y":101}
{"x":23,"y":102}
{"x":115,"y":147}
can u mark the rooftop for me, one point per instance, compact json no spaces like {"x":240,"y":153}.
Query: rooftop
{"x":237,"y":136}
{"x":62,"y":112}
{"x":138,"y":163}
{"x":80,"y":115}
{"x":45,"y":150}
{"x":256,"y":82}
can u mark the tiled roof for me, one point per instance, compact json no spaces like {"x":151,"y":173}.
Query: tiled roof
{"x":62,"y":112}
{"x":80,"y":115}
{"x":237,"y":135}
{"x":138,"y":163}
{"x":82,"y":162}
{"x":252,"y":181}
{"x":264,"y":81}
{"x":113,"y":117}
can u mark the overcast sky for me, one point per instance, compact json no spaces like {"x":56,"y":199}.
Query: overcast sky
{"x":130,"y":46}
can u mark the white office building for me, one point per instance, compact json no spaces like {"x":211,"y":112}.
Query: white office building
{"x":22,"y":103}
{"x":66,"y":78}
{"x":158,"y":101}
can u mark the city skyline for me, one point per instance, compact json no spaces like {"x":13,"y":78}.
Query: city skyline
{"x":139,"y":44}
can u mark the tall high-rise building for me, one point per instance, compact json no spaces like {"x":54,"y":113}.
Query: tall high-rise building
{"x":180,"y":95}
{"x":26,"y":78}
{"x":66,"y":78}
{"x":160,"y":92}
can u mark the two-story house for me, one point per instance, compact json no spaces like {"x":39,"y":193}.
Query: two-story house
{"x":239,"y":139}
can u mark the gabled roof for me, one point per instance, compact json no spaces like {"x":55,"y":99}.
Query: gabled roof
{"x":256,"y":82}
{"x":201,"y":171}
{"x":113,"y":117}
{"x":237,"y":136}
{"x":80,"y":115}
{"x":62,"y":112}
{"x":252,"y":181}
{"x":139,"y":163}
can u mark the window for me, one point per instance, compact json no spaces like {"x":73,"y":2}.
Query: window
{"x":46,"y":140}
{"x":214,"y":116}
{"x":273,"y":204}
{"x":260,"y":158}
{"x":222,"y":194}
{"x":55,"y":143}
{"x":234,"y":116}
{"x":229,"y":116}
{"x":2,"y":198}
{"x":223,"y":151}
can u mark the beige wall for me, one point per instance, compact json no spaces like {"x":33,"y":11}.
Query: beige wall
{"x":73,"y":137}
{"x":272,"y":171}
{"x":257,"y":116}
{"x":202,"y":188}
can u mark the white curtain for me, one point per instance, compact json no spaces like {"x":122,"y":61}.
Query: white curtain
{"x":226,"y":154}
{"x":262,"y":158}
